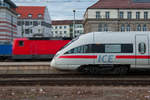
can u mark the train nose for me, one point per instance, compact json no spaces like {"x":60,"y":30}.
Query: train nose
{"x":53,"y":64}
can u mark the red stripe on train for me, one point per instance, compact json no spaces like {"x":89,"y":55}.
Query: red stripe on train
{"x":132,"y":57}
{"x":80,"y":56}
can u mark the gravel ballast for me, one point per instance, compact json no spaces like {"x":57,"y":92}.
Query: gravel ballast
{"x":75,"y":93}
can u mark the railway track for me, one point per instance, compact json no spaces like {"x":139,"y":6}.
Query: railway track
{"x":73,"y":79}
{"x":46,"y":76}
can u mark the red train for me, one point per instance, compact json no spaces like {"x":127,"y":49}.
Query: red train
{"x":37,"y":48}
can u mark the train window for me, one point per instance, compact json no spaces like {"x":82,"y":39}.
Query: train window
{"x":112,"y":48}
{"x":87,"y":49}
{"x":142,"y":48}
{"x":98,"y":48}
{"x":103,"y":48}
{"x":126,"y":48}
{"x":21,"y":43}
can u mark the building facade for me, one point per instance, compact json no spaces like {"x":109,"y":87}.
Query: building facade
{"x":118,"y":15}
{"x":8,"y":21}
{"x":33,"y":21}
{"x":66,"y":28}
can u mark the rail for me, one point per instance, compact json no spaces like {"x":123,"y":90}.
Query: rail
{"x":74,"y":79}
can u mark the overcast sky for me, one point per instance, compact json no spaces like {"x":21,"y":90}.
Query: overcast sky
{"x":60,"y":9}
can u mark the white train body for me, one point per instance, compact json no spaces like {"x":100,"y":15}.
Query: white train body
{"x":105,"y":48}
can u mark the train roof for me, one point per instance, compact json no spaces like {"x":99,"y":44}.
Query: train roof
{"x":44,"y":38}
{"x":121,"y":33}
{"x":126,"y":34}
{"x":111,"y":37}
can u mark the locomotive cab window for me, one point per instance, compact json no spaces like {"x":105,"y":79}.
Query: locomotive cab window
{"x":21,"y":43}
{"x":142,"y":47}
{"x":80,"y":49}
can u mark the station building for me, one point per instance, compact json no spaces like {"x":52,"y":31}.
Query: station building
{"x":65,"y":28}
{"x":33,"y":21}
{"x":118,"y":15}
{"x":8,"y":21}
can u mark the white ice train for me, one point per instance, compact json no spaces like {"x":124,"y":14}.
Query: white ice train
{"x":115,"y":52}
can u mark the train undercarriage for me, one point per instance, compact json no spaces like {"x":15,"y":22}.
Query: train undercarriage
{"x":104,"y":69}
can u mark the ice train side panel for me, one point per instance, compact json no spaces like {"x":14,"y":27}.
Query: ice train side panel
{"x":115,"y":48}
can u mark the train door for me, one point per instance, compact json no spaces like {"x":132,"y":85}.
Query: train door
{"x":142,"y":48}
{"x":33,"y":49}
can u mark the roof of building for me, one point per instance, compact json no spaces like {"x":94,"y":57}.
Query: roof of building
{"x":66,"y":22}
{"x":13,"y":5}
{"x":137,"y":4}
{"x":34,"y":11}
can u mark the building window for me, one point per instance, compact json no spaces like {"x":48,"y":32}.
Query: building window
{"x":4,"y":4}
{"x":27,"y":23}
{"x":31,"y":23}
{"x":56,"y":35}
{"x":30,"y":15}
{"x":55,"y":27}
{"x":75,"y":31}
{"x":39,"y":30}
{"x":60,"y":27}
{"x":39,"y":22}
{"x":99,"y":27}
{"x":27,"y":31}
{"x":144,"y":27}
{"x":60,"y":33}
{"x":107,"y":15}
{"x":121,"y":15}
{"x":128,"y":27}
{"x":137,"y":15}
{"x":1,"y":3}
{"x":129,"y":16}
{"x":19,"y":23}
{"x":65,"y":27}
{"x":139,"y":27}
{"x":35,"y":23}
{"x":30,"y":30}
{"x":22,"y":22}
{"x":122,"y":28}
{"x":97,"y":15}
{"x":18,"y":15}
{"x":106,"y":27}
{"x":39,"y":15}
{"x":145,"y":15}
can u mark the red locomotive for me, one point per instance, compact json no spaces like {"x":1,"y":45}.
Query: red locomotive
{"x":37,"y":48}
